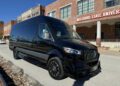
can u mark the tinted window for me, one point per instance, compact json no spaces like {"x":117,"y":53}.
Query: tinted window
{"x":25,"y":31}
{"x":110,"y":3}
{"x":61,"y":29}
{"x":44,"y":32}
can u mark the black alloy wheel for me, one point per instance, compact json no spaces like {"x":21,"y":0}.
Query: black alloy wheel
{"x":56,"y":69}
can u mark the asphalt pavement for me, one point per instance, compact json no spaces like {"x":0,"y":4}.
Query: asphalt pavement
{"x":110,"y":75}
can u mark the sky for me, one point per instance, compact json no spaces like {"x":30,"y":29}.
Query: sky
{"x":11,"y":9}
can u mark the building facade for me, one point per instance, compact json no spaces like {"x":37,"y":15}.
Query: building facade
{"x":7,"y":29}
{"x":32,"y":12}
{"x":1,"y":28}
{"x":93,"y":19}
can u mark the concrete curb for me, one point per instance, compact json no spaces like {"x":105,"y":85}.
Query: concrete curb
{"x":17,"y":74}
{"x":117,"y":50}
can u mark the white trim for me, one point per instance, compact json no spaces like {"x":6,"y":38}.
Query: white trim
{"x":65,"y":6}
{"x":99,"y":29}
{"x":74,"y":28}
{"x":51,"y":11}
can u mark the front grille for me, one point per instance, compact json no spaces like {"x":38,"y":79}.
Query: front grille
{"x":91,"y":64}
{"x":90,"y":54}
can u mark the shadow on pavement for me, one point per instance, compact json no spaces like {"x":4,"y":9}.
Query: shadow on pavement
{"x":78,"y":81}
{"x":6,"y":80}
{"x":34,"y":62}
{"x":81,"y":81}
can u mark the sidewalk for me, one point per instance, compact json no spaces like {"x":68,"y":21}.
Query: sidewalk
{"x":109,"y":52}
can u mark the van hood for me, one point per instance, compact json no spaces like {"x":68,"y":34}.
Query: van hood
{"x":75,"y":44}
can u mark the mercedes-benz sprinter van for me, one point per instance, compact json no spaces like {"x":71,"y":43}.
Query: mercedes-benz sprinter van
{"x":54,"y":43}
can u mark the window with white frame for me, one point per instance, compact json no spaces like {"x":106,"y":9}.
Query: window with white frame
{"x":85,"y":6}
{"x":52,"y":14}
{"x":110,"y":3}
{"x":65,"y":12}
{"x":91,"y":5}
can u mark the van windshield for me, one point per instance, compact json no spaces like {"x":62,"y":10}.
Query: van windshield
{"x":62,"y":30}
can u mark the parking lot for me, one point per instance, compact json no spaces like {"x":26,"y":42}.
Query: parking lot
{"x":110,"y":75}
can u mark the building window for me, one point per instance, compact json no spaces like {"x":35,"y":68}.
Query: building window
{"x":52,"y":14}
{"x":65,"y":12}
{"x":110,"y":3}
{"x":85,"y":6}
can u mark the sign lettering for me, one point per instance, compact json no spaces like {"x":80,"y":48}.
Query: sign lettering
{"x":100,"y":15}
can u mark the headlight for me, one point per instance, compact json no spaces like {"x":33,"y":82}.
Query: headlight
{"x":72,"y":51}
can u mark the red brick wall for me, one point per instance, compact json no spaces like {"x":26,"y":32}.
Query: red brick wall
{"x":1,"y":25}
{"x":89,"y":32}
{"x":55,"y":6}
{"x":1,"y":30}
{"x":99,"y":8}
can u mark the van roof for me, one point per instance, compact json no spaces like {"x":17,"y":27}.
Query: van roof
{"x":38,"y":17}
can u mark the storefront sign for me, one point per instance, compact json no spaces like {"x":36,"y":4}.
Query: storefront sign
{"x":100,"y":15}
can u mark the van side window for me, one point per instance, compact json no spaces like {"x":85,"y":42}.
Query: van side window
{"x":44,"y":32}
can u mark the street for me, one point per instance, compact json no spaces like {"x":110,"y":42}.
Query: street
{"x":110,"y":75}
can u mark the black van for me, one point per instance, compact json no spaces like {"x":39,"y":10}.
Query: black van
{"x":53,"y":42}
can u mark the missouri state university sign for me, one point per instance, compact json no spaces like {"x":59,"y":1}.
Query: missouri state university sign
{"x":99,"y":15}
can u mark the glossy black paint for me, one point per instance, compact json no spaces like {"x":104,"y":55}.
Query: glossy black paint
{"x":25,"y":35}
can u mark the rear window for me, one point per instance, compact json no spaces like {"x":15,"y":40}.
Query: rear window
{"x":24,"y":31}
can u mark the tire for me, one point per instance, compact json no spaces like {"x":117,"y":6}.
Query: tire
{"x":55,"y":69}
{"x":15,"y":54}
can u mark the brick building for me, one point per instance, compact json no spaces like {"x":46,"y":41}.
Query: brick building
{"x":93,"y":19}
{"x":1,"y":28}
{"x":7,"y":28}
{"x":32,"y":12}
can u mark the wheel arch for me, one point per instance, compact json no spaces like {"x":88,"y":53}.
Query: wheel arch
{"x":55,"y":53}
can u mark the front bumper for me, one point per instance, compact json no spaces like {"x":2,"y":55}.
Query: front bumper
{"x":78,"y":67}
{"x":85,"y":69}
